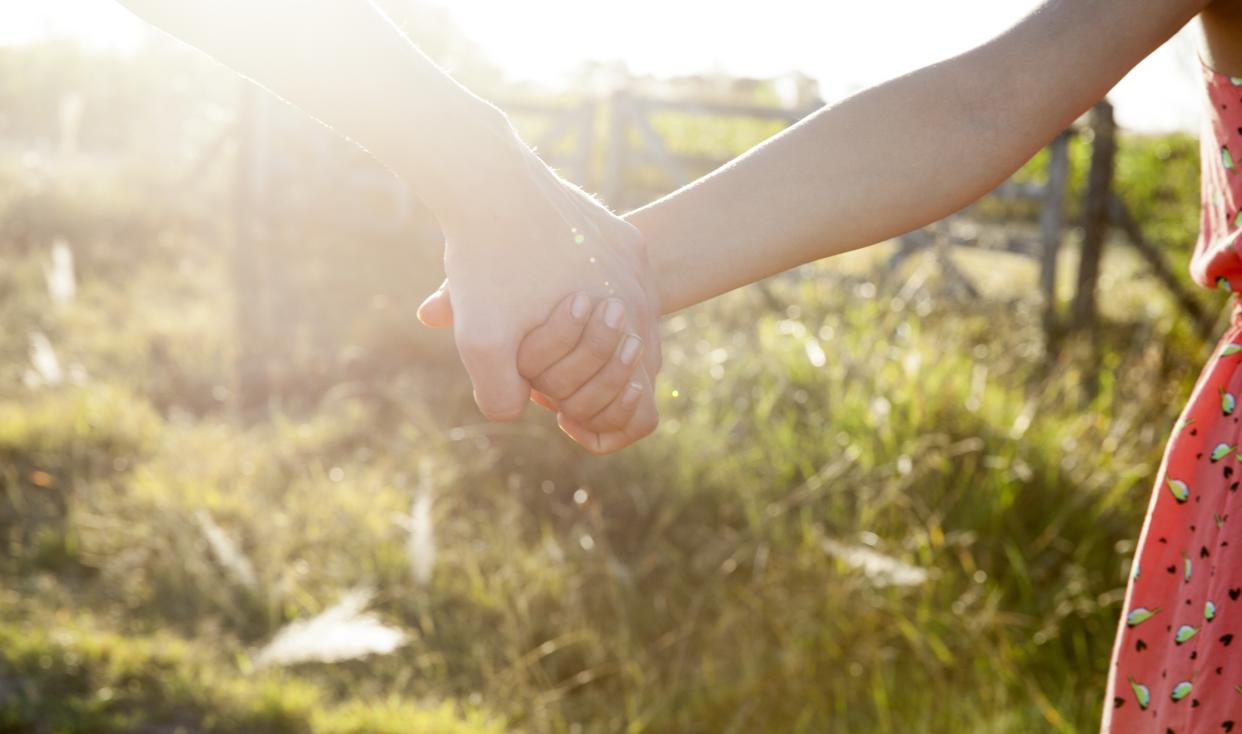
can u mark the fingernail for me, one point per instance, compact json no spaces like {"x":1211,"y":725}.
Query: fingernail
{"x":581,"y":303}
{"x":629,"y":349}
{"x":613,"y":314}
{"x":631,"y":394}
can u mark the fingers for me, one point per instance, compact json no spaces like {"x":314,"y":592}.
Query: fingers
{"x":551,"y":341}
{"x":437,"y":311}
{"x":604,"y":387}
{"x":595,"y":349}
{"x":642,"y":420}
{"x":490,"y":358}
{"x":620,"y":411}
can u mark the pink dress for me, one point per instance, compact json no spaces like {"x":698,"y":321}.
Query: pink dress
{"x":1177,"y":660}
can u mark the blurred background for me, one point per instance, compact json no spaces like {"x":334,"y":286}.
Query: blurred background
{"x":242,"y":490}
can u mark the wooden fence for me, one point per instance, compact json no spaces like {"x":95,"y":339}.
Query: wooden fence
{"x":1102,"y":210}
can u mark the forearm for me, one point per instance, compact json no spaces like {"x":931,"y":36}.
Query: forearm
{"x":895,"y":157}
{"x":346,"y":64}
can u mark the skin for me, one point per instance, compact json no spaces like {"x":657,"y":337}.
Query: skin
{"x":1220,"y":36}
{"x":580,"y":365}
{"x":517,"y":237}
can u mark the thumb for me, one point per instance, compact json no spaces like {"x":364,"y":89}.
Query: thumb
{"x":437,"y":311}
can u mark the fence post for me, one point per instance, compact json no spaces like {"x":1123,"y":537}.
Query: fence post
{"x":586,"y":144}
{"x":1095,"y":214}
{"x":250,"y":374}
{"x":1051,"y":222}
{"x":1095,"y":227}
{"x":1121,"y":218}
{"x":618,"y":143}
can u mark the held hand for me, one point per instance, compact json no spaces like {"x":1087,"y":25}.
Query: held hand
{"x":510,"y":261}
{"x":588,"y":370}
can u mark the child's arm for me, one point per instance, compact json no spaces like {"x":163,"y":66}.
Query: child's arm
{"x":902,"y":154}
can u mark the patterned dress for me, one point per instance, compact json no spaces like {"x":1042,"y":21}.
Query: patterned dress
{"x":1177,"y":661}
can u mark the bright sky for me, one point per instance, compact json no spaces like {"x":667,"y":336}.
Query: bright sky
{"x":845,"y":45}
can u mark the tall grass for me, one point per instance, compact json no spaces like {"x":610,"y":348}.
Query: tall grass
{"x":708,"y":580}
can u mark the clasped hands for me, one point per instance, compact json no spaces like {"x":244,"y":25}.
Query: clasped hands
{"x":552,"y":299}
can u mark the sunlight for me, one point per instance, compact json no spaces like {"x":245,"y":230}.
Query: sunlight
{"x":93,"y":23}
{"x":844,"y":46}
{"x":850,"y":487}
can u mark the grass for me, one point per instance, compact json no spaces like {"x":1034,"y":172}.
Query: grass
{"x":682,"y":586}
{"x":75,"y":678}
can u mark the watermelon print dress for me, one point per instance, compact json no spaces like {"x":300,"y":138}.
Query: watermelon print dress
{"x":1177,"y":660}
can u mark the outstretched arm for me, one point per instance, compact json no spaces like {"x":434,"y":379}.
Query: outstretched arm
{"x":346,"y":64}
{"x":517,"y":238}
{"x":902,"y":154}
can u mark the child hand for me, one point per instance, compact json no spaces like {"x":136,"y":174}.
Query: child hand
{"x":584,"y":364}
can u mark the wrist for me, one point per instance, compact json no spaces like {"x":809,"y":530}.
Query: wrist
{"x":659,"y":259}
{"x":468,"y":163}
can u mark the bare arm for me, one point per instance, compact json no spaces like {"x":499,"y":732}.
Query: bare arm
{"x":902,"y":154}
{"x":347,"y":65}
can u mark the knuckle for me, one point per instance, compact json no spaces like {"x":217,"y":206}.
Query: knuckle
{"x":598,"y":427}
{"x":600,"y":345}
{"x":556,"y":336}
{"x":577,"y":406}
{"x":614,"y":419}
{"x":562,"y":341}
{"x":532,"y":361}
{"x":555,"y":385}
{"x":601,"y":423}
{"x":526,"y":361}
{"x":591,"y":401}
{"x":614,"y":377}
{"x":604,"y":425}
